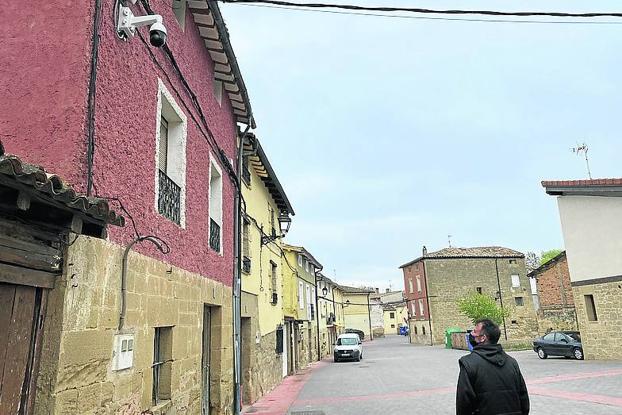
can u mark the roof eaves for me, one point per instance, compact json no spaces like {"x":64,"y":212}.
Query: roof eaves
{"x":547,"y":265}
{"x":283,"y":201}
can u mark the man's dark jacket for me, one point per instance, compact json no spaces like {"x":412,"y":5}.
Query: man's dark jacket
{"x":490,"y":383}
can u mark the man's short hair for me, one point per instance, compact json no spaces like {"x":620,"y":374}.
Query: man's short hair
{"x":490,"y":329}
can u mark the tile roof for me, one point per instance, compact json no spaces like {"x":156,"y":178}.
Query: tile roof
{"x":476,"y":252}
{"x":51,"y":187}
{"x":582,"y":183}
{"x":355,"y":290}
{"x":304,"y":252}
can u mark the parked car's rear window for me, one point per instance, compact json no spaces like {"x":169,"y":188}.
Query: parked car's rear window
{"x":347,"y":341}
{"x":575,"y":336}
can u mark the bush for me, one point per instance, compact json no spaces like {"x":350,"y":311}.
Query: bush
{"x":478,"y":306}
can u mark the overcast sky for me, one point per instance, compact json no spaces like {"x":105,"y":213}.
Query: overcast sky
{"x":390,"y":134}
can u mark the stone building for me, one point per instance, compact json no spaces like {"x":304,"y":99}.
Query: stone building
{"x":556,"y":304}
{"x":387,"y":309}
{"x":139,"y":318}
{"x":267,"y":210}
{"x":591,"y":219}
{"x":436,"y":281}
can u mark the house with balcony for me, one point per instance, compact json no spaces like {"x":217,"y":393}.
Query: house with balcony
{"x":435,"y":281}
{"x":266,"y":218}
{"x":137,"y":318}
{"x":591,"y":219}
{"x":299,"y":269}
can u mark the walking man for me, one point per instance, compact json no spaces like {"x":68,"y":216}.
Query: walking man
{"x":490,"y":381}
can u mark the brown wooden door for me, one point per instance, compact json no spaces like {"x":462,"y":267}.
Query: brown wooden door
{"x":20,"y":328}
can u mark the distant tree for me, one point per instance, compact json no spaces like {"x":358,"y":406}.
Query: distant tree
{"x":477,"y":306}
{"x":548,"y":255}
{"x":532,"y":261}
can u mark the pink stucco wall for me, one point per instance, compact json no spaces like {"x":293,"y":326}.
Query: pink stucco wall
{"x":44,"y":68}
{"x":127,"y":90}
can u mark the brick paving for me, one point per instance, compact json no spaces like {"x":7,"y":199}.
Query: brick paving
{"x":396,"y":377}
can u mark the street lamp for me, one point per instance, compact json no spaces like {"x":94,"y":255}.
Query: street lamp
{"x":325,"y":290}
{"x":284,"y":223}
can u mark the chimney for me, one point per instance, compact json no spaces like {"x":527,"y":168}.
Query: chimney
{"x":377,"y":290}
{"x":425,"y":250}
{"x":388,"y":290}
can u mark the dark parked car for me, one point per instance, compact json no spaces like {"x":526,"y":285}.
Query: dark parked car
{"x":359,"y":332}
{"x":559,"y":343}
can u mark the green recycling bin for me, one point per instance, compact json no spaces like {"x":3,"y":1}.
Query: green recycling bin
{"x":448,"y":344}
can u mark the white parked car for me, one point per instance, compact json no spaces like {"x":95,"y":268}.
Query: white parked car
{"x":348,"y":346}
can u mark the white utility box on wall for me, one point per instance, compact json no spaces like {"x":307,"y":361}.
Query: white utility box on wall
{"x":123,"y":352}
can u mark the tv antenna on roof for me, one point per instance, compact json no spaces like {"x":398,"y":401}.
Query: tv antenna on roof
{"x":583,"y":149}
{"x":449,"y":240}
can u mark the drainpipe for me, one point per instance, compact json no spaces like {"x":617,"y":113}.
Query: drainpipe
{"x":427,"y":301}
{"x":237,"y":282}
{"x":92,"y":89}
{"x":505,"y":333}
{"x":371,"y":335}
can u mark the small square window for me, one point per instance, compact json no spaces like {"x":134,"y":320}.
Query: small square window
{"x":519,"y":301}
{"x":514,"y":322}
{"x":479,"y":290}
{"x":512,"y":261}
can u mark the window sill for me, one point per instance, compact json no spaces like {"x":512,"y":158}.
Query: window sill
{"x":162,"y":408}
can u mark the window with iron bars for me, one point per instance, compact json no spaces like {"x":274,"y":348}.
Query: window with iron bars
{"x":214,"y":235}
{"x":246,"y":173}
{"x":169,"y":193}
{"x":246,"y":265}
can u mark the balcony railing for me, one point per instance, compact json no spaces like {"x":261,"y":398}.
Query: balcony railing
{"x":214,"y":235}
{"x":169,"y":198}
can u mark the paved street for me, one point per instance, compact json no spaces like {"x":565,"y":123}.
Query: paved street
{"x":395,"y":377}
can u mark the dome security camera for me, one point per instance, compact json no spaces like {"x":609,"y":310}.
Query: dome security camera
{"x":157,"y":35}
{"x":127,"y":24}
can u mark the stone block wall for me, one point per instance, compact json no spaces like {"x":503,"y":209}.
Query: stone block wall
{"x":452,"y":279}
{"x":557,"y":318}
{"x":265,"y":371}
{"x":77,"y":375}
{"x":601,"y":339}
{"x":419,"y":332}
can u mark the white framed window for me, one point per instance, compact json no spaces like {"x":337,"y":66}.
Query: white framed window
{"x":410,"y":285}
{"x":515,"y":281}
{"x":300,"y":260}
{"x":418,"y":283}
{"x":413,"y":309}
{"x":306,"y":265}
{"x":421,"y":306}
{"x":170,"y":158}
{"x":215,"y":206}
{"x":301,"y":295}
{"x":308,"y":302}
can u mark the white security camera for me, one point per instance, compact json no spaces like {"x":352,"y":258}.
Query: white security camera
{"x":157,"y":34}
{"x":127,"y":24}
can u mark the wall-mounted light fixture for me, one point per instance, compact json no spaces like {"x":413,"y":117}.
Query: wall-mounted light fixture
{"x":325,"y":290}
{"x":284,"y":223}
{"x":347,"y":303}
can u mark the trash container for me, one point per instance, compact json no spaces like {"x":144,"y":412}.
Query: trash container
{"x":448,"y":344}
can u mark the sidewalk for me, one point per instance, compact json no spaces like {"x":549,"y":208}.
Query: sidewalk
{"x":278,"y":401}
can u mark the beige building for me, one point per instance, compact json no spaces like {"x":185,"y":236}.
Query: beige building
{"x":267,"y":210}
{"x":330,"y":313}
{"x":357,"y":309}
{"x":591,"y":219}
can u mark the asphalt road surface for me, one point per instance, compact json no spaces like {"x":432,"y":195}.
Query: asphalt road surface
{"x":395,"y":377}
